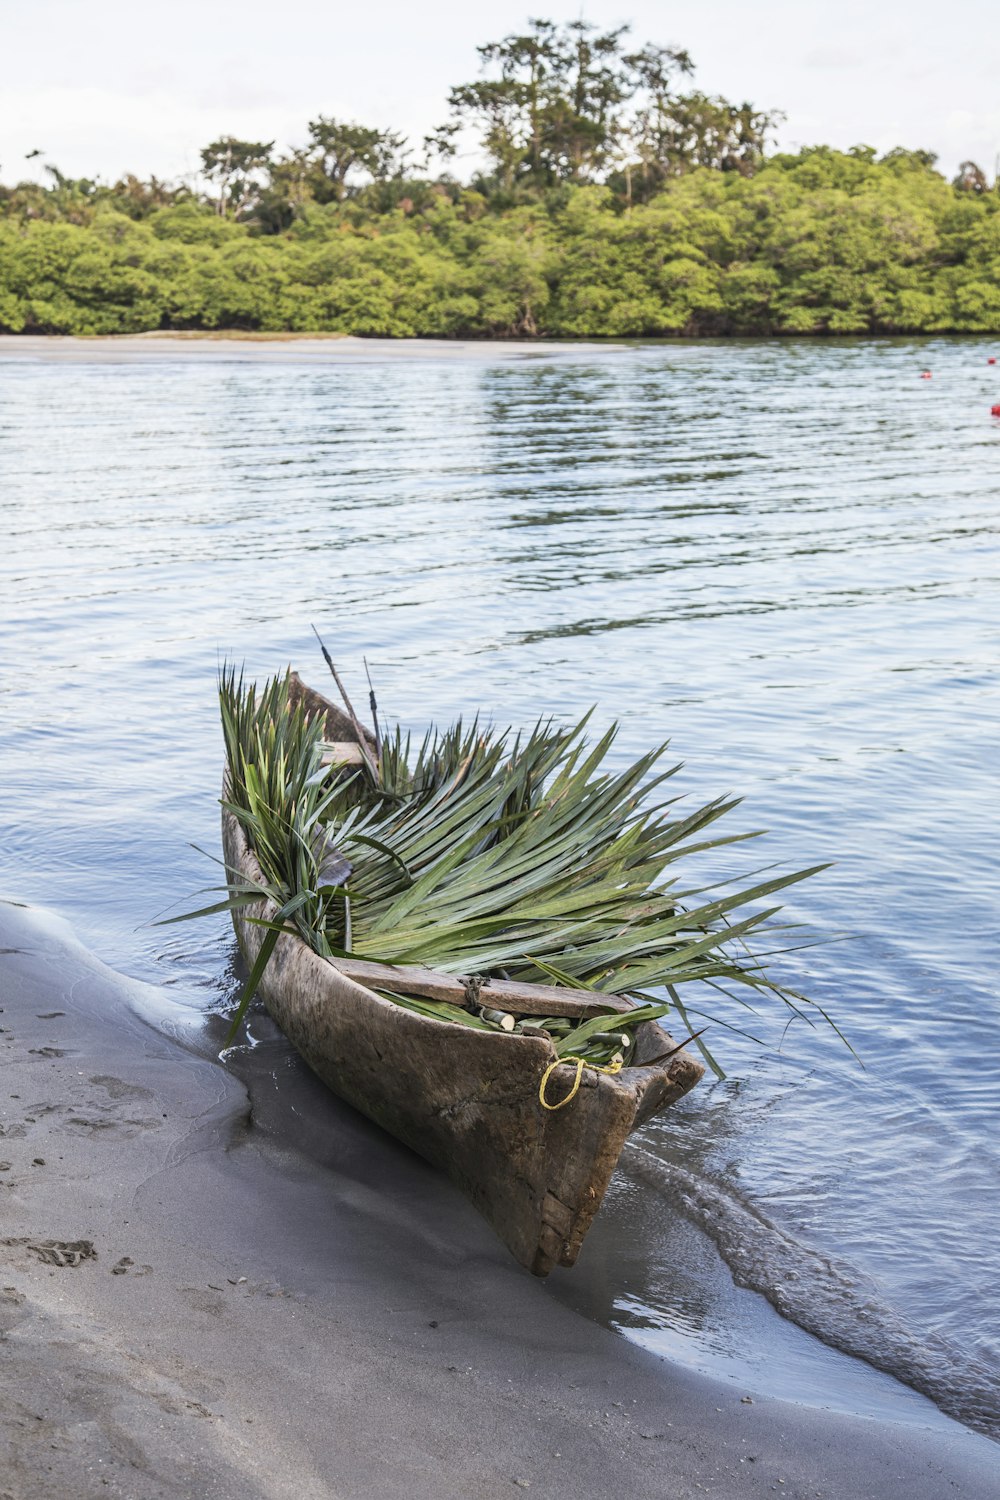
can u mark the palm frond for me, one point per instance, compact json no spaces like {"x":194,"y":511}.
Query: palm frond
{"x":484,"y":850}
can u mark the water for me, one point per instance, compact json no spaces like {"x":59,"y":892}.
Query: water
{"x":783,"y":556}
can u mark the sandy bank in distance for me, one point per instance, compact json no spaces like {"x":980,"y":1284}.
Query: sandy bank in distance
{"x":283,"y":348}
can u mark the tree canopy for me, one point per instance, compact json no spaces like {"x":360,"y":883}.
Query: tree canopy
{"x":615,"y":200}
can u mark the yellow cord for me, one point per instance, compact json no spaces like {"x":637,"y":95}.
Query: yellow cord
{"x":615,"y":1066}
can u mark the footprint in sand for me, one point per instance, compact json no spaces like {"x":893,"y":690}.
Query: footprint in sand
{"x":55,"y":1252}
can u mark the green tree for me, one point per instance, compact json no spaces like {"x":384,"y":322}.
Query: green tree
{"x":582,"y":120}
{"x":139,"y":198}
{"x":339,"y":149}
{"x":236,"y":167}
{"x":497,"y":108}
{"x":287,"y":193}
{"x":653,"y":70}
{"x":971,"y":179}
{"x":570,"y":104}
{"x":527,"y":62}
{"x":617,"y":206}
{"x":553,"y":113}
{"x":674,"y":134}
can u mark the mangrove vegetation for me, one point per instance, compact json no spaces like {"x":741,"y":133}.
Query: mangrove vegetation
{"x":611,"y":199}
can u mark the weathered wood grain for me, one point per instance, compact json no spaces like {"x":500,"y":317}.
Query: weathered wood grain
{"x":500,"y":994}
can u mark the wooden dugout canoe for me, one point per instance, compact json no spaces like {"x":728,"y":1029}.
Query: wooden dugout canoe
{"x":466,"y":1100}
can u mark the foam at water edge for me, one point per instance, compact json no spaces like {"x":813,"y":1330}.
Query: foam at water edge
{"x":827,"y":1297}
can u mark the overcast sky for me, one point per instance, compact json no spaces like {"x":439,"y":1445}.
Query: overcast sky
{"x":102,"y":87}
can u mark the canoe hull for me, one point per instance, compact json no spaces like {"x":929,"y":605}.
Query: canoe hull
{"x":466,"y":1100}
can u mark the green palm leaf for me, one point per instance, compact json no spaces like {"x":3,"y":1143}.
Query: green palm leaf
{"x":486,"y":851}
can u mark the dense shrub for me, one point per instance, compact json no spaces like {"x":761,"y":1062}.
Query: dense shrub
{"x":821,"y":242}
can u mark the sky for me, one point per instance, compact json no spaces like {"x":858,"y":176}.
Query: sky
{"x":102,"y":87}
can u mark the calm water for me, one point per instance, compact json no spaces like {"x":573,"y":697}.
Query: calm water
{"x":784,"y":557}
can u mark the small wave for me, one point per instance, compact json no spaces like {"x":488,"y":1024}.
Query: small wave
{"x":827,"y":1297}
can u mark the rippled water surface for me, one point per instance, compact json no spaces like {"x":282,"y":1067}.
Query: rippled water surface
{"x":782,"y":556}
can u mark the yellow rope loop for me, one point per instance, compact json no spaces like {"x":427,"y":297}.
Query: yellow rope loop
{"x":615,"y":1066}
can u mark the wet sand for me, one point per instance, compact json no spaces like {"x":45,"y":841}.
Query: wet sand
{"x":205,"y":1292}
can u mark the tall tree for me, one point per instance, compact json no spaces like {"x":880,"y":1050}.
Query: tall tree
{"x":235,"y":167}
{"x":553,"y":111}
{"x":593,"y":84}
{"x":675,"y":134}
{"x":569,"y":104}
{"x":971,"y":178}
{"x":526,"y":62}
{"x":497,"y":108}
{"x":340,"y":149}
{"x":288,"y":190}
{"x":653,"y":71}
{"x":138,"y":197}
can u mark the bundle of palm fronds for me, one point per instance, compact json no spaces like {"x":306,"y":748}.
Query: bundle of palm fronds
{"x":488,"y":852}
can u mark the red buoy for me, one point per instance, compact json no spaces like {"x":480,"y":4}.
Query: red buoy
{"x":995,"y":411}
{"x":925,"y":375}
{"x":991,"y":360}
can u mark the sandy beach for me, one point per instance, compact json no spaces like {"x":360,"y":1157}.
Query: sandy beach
{"x":227,"y":346}
{"x":194,"y":1304}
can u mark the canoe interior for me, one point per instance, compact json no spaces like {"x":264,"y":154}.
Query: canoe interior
{"x":464,"y":1099}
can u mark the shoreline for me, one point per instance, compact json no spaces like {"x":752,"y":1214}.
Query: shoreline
{"x":311,"y":348}
{"x":255,"y":347}
{"x":208,"y":1292}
